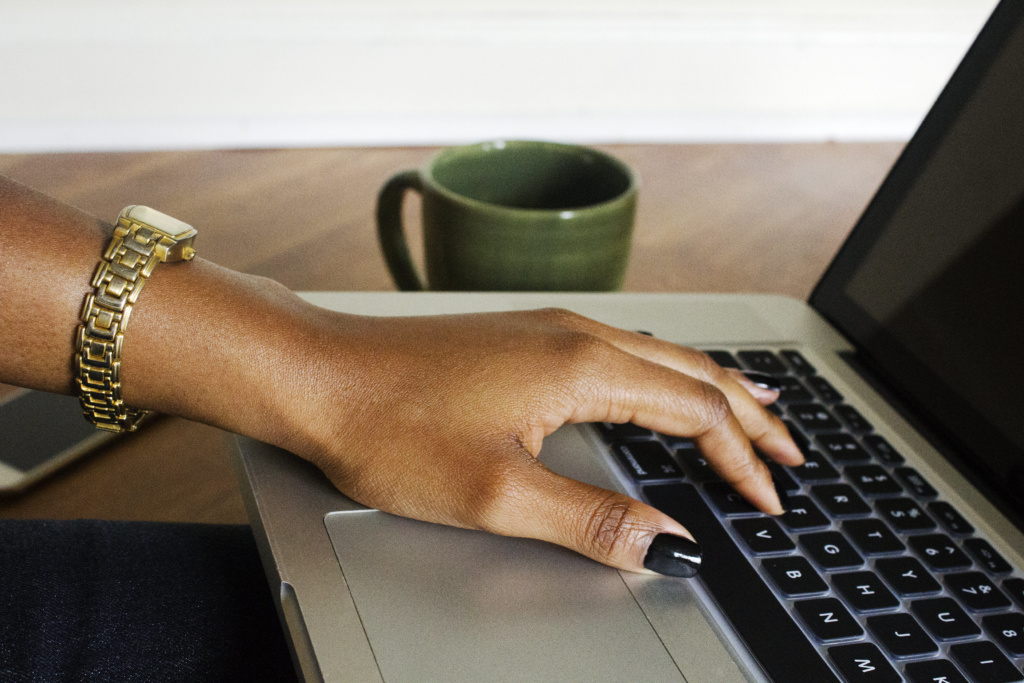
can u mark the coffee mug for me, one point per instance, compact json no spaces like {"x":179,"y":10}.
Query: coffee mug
{"x":514,"y":216}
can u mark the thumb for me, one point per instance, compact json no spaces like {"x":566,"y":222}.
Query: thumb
{"x":604,"y":525}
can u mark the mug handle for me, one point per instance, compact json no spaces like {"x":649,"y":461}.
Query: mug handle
{"x":390,"y":232}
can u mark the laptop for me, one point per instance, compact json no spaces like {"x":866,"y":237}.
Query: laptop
{"x":901,"y":556}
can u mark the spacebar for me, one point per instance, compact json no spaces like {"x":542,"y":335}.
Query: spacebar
{"x":770,"y":634}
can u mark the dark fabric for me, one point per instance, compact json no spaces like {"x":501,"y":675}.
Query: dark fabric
{"x":91,"y":600}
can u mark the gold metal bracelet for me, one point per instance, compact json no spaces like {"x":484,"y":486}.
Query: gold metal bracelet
{"x":143,"y":237}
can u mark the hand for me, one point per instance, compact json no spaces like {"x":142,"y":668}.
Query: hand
{"x":442,"y":418}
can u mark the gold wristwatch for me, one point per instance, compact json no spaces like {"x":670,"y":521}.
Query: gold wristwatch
{"x":143,"y":237}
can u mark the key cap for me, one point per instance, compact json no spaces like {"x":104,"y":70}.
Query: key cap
{"x":904,"y":514}
{"x":915,"y":482}
{"x":863,"y":663}
{"x":949,"y":518}
{"x":872,"y":537}
{"x":798,"y":437}
{"x":647,"y":461}
{"x":864,"y":591}
{"x":1015,"y":589}
{"x":727,"y":501}
{"x":792,"y":391}
{"x":794,"y":575}
{"x":724,"y":358}
{"x":696,"y":466}
{"x":852,"y":418}
{"x":976,"y":591}
{"x":825,"y":391}
{"x":1007,"y":630}
{"x":612,"y":431}
{"x":676,"y":443}
{"x":803,"y":514}
{"x":840,"y":500}
{"x":813,"y":417}
{"x":907,"y":576}
{"x":841,"y":448}
{"x":944,"y":619}
{"x":986,"y":555}
{"x":939,"y":552}
{"x":830,"y":550}
{"x":762,"y":361}
{"x":934,"y":671}
{"x":797,"y":362}
{"x":984,"y":662}
{"x":770,"y":633}
{"x":815,"y":468}
{"x":883,"y":450}
{"x":763,"y":535}
{"x":872,"y":480}
{"x":828,"y":619}
{"x":901,"y":635}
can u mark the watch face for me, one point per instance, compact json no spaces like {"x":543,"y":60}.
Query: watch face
{"x":161,"y":221}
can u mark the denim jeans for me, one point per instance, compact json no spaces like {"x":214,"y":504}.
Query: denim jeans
{"x":88,"y":600}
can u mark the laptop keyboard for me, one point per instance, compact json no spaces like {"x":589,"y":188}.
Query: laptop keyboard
{"x":869,"y":576}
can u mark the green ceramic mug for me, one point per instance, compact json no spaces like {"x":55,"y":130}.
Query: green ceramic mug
{"x":514,"y":216}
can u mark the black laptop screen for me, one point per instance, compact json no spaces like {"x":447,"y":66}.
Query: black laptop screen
{"x":930,"y":285}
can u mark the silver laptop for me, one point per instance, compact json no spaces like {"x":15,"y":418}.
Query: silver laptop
{"x":902,"y":554}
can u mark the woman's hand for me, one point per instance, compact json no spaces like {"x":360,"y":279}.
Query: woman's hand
{"x":442,"y":418}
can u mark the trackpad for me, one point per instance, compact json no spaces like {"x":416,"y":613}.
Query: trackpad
{"x":448,"y":604}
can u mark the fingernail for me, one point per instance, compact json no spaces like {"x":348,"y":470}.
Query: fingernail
{"x":673,"y":555}
{"x":764,"y":381}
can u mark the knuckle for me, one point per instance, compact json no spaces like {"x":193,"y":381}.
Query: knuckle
{"x":709,"y":407}
{"x":611,"y":527}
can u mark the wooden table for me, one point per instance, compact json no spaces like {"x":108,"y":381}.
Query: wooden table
{"x":745,"y":217}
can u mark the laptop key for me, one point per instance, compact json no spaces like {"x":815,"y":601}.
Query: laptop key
{"x":830,"y":550}
{"x":873,"y":537}
{"x":815,"y":468}
{"x":883,"y":450}
{"x":939,"y":552}
{"x":976,"y":591}
{"x":803,"y":514}
{"x":828,"y":620}
{"x":987,"y":556}
{"x":864,"y":591}
{"x":984,"y":663}
{"x":813,"y":417}
{"x":725,"y":359}
{"x":934,"y":671}
{"x":727,"y":501}
{"x":841,"y":448}
{"x":798,"y":437}
{"x":852,"y":418}
{"x":762,"y":361}
{"x":944,"y":619}
{"x":770,"y":633}
{"x":951,"y":520}
{"x":796,"y":360}
{"x":917,"y":484}
{"x":840,"y":500}
{"x":824,"y":389}
{"x":647,"y":461}
{"x":794,"y":575}
{"x":904,"y":514}
{"x":1015,"y":589}
{"x":907,"y":576}
{"x":612,"y":431}
{"x":901,"y":635}
{"x":696,"y":465}
{"x":763,"y":535}
{"x":792,"y":391}
{"x":863,"y":663}
{"x":1007,"y":630}
{"x":872,"y":480}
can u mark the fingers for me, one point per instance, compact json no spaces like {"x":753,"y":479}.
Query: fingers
{"x":603,"y":525}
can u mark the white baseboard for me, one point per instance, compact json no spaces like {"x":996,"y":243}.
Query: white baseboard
{"x":226,"y":73}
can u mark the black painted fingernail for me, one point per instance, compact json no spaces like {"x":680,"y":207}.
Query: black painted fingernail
{"x":673,"y":555}
{"x":764,"y":381}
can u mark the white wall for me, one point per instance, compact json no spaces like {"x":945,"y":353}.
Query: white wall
{"x":158,"y":74}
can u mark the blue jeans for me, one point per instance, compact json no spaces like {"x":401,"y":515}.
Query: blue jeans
{"x":89,"y":600}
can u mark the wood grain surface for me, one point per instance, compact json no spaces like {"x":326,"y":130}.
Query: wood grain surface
{"x":727,"y":218}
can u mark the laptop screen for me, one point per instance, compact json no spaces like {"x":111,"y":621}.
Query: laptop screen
{"x":930,"y":284}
